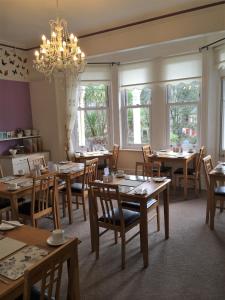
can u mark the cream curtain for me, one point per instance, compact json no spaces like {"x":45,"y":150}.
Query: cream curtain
{"x":72,"y":85}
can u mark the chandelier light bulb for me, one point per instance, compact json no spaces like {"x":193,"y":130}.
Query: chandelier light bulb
{"x":61,"y":52}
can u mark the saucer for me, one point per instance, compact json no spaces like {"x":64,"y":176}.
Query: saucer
{"x":120,"y":175}
{"x":50,"y":241}
{"x":158,"y":179}
{"x":5,"y":227}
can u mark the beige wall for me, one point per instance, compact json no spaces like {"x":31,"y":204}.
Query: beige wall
{"x":49,"y":111}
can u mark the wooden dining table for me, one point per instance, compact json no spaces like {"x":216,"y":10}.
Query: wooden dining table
{"x":183,"y":159}
{"x":11,"y":289}
{"x":101,"y":155}
{"x":215,"y":179}
{"x":153,"y":189}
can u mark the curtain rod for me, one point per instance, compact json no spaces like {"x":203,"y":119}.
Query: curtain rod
{"x":135,"y":23}
{"x":213,"y":43}
{"x":104,"y":63}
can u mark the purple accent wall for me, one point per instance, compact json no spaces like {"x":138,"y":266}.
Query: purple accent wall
{"x":15,"y":109}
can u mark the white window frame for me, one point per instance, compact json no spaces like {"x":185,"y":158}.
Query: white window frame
{"x":185,"y":103}
{"x":124,"y":108}
{"x":107,"y":108}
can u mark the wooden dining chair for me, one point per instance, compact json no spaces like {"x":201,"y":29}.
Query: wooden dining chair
{"x":147,"y":169}
{"x":114,"y":158}
{"x":36,"y":160}
{"x":43,"y":202}
{"x":194,"y":174}
{"x":148,"y":156}
{"x":108,"y":213}
{"x":219,"y":191}
{"x":79,"y":190}
{"x":47,"y":273}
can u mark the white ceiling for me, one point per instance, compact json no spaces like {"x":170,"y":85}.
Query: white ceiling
{"x":23,"y":21}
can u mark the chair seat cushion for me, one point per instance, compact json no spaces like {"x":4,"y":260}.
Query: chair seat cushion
{"x":76,"y":187}
{"x":25,"y":208}
{"x":4,"y":203}
{"x":61,"y":182}
{"x":220,"y":191}
{"x":35,"y":295}
{"x":180,"y":171}
{"x":136,"y":205}
{"x":129,"y":217}
{"x":165,"y":169}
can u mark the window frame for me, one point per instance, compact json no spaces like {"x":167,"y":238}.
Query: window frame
{"x":124,"y":109}
{"x":106,"y":108}
{"x":197,"y":103}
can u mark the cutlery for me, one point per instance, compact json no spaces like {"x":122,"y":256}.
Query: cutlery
{"x":12,"y":224}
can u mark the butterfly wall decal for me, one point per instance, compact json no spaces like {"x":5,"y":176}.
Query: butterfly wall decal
{"x":14,"y":72}
{"x":4,"y":62}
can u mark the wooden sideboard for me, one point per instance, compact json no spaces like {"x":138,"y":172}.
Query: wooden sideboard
{"x":11,"y":164}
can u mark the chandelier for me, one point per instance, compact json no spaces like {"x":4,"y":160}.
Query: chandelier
{"x":60,"y":52}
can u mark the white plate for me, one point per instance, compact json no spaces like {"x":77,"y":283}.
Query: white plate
{"x":51,"y":243}
{"x":159,"y":179}
{"x":5,"y":227}
{"x":63,"y":162}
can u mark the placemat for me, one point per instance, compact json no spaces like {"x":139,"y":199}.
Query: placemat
{"x":6,"y":179}
{"x":14,"y":266}
{"x":130,"y":182}
{"x":9,"y":246}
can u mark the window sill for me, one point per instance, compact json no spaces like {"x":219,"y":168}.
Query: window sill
{"x":130,"y":150}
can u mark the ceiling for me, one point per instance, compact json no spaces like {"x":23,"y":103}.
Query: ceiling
{"x":23,"y":22}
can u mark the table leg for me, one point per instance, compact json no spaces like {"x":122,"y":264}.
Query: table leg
{"x":56,"y":210}
{"x":185,"y":179}
{"x":144,"y":232}
{"x":166,"y":211}
{"x":14,"y":207}
{"x":92,"y":225}
{"x":69,"y":198}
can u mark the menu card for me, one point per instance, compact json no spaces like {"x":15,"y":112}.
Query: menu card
{"x":9,"y":246}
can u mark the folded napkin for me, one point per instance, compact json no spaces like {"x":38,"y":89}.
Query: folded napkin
{"x":140,"y":191}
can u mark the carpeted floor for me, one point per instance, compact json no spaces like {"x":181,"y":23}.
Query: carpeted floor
{"x":189,"y":265}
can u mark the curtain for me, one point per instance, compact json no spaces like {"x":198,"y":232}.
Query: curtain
{"x":72,"y":85}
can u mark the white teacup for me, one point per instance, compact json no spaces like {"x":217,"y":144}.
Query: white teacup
{"x":57,"y":235}
{"x":21,"y":172}
{"x":12,"y":186}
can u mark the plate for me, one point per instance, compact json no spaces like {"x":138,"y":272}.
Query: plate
{"x":159,"y":179}
{"x":51,"y":243}
{"x":5,"y":227}
{"x":63,"y":162}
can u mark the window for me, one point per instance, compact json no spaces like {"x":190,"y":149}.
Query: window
{"x":93,"y":116}
{"x":223,"y":116}
{"x":183,"y":108}
{"x":136,"y":116}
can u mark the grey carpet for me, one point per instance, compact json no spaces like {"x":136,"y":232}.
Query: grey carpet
{"x":189,"y":265}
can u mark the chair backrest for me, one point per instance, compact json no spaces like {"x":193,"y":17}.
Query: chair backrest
{"x":208,"y":167}
{"x":147,"y":169}
{"x":36,"y":160}
{"x":106,"y":198}
{"x":41,"y":201}
{"x":146,"y":151}
{"x":90,"y":172}
{"x":49,"y":271}
{"x":199,"y":161}
{"x":115,"y":156}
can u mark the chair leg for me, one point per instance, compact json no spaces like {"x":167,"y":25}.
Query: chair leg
{"x":116,"y":236}
{"x":123,"y":245}
{"x":97,"y":243}
{"x":158,"y":218}
{"x":207,"y":211}
{"x":84,"y":209}
{"x":64,"y":205}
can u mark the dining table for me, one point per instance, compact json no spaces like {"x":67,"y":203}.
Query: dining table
{"x":216,"y":178}
{"x":101,"y":155}
{"x":34,"y":237}
{"x":128,"y":188}
{"x":183,"y":159}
